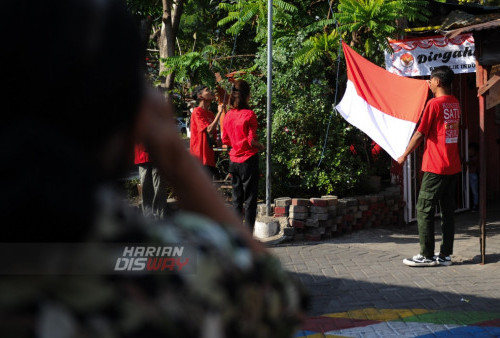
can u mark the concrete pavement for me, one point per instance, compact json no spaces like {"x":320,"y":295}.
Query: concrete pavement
{"x":359,"y":286}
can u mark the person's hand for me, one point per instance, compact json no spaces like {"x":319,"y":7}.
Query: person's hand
{"x":221,"y":108}
{"x":401,"y":159}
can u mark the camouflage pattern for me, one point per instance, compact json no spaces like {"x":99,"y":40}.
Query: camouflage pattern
{"x":234,"y":293}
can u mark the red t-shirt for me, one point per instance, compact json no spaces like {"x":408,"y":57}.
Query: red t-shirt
{"x":198,"y":144}
{"x":240,"y":128}
{"x":440,"y":125}
{"x":141,"y":156}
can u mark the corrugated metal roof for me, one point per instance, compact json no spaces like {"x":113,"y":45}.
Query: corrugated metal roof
{"x":478,"y":27}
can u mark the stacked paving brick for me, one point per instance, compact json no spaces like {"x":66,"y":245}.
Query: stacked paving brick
{"x":320,"y":218}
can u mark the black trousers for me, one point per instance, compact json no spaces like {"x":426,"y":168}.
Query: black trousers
{"x":245,"y":184}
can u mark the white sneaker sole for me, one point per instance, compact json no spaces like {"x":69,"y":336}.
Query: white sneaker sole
{"x":410,"y":262}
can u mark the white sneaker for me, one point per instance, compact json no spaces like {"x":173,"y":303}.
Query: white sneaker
{"x":446,"y":261}
{"x":420,"y":260}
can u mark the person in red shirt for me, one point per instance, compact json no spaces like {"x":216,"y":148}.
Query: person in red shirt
{"x":240,"y":133}
{"x":153,"y":186}
{"x":440,"y":164}
{"x":204,"y":128}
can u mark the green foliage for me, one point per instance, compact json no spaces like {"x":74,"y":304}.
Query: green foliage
{"x":305,"y":47}
{"x":372,"y":22}
{"x":144,"y":8}
{"x":321,"y":46}
{"x":192,"y":68}
{"x":254,"y":13}
{"x":479,"y":2}
{"x":302,"y":105}
{"x":130,"y":187}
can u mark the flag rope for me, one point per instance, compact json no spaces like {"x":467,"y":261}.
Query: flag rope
{"x":334,"y":109}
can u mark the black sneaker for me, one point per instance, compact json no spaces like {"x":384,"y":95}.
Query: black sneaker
{"x":446,"y":260}
{"x":420,"y":260}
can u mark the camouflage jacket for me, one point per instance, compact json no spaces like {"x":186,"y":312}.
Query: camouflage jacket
{"x":229,"y":292}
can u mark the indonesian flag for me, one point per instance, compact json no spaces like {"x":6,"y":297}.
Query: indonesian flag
{"x":383,"y":105}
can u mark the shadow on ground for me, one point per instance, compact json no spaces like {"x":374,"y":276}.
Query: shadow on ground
{"x":333,"y":295}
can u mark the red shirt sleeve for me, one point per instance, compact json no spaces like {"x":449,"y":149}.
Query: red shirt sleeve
{"x":225,"y":134}
{"x":141,"y":155}
{"x":252,"y":128}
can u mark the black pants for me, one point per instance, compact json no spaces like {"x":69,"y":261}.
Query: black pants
{"x":436,"y":189}
{"x":245,"y":183}
{"x":211,"y":171}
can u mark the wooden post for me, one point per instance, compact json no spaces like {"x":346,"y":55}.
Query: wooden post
{"x":481,"y":79}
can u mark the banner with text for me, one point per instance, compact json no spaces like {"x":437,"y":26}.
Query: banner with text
{"x":418,"y":57}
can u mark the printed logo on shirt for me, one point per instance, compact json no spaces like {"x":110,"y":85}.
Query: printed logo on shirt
{"x":451,"y":115}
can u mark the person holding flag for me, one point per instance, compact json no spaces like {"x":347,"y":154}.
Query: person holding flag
{"x":203,"y":127}
{"x":240,"y":133}
{"x":440,"y":164}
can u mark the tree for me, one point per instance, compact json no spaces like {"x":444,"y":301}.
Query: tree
{"x":372,"y":22}
{"x":172,"y":12}
{"x":254,"y":13}
{"x":302,"y":105}
{"x":321,"y":46}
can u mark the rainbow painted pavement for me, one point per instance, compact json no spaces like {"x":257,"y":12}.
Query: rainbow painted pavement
{"x":371,"y":322}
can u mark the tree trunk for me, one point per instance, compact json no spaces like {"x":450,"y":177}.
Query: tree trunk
{"x":172,"y":12}
{"x":145,"y":27}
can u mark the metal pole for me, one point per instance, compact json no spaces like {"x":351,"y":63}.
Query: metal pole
{"x":269,"y":96}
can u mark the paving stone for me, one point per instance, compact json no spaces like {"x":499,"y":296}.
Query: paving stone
{"x":332,"y":200}
{"x":300,"y":202}
{"x":298,"y":215}
{"x":311,"y":222}
{"x":318,"y":210}
{"x":298,"y":208}
{"x":295,"y":223}
{"x":289,"y":232}
{"x":327,"y":223}
{"x":318,"y":202}
{"x":281,"y":210}
{"x":320,"y":217}
{"x":283,"y":201}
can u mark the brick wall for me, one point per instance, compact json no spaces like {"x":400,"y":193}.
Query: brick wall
{"x":327,"y":216}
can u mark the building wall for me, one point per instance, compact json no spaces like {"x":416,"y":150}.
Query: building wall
{"x":465,"y":89}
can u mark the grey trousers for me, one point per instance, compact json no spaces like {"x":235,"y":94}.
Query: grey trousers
{"x":154,"y":191}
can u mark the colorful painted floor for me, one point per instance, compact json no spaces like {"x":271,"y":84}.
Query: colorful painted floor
{"x":373,"y":322}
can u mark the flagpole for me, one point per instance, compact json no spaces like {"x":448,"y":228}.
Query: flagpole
{"x":269,"y":96}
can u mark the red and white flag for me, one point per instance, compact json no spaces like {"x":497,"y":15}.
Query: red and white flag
{"x":383,"y":105}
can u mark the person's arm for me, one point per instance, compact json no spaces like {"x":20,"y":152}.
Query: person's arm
{"x":212,"y":126}
{"x":252,"y":132}
{"x":258,"y":145}
{"x":415,"y":141}
{"x":188,"y":179}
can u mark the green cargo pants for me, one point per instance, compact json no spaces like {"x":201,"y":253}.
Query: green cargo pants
{"x":436,"y":189}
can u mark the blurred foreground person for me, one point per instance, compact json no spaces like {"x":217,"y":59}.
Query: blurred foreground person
{"x":153,"y":186}
{"x":75,"y":104}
